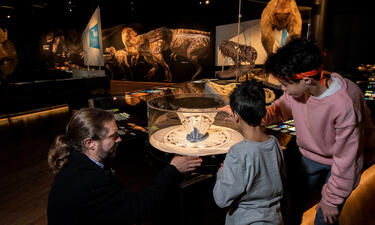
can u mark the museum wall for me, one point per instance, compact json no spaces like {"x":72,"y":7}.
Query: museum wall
{"x":348,"y":35}
{"x":33,"y":28}
{"x":48,"y":39}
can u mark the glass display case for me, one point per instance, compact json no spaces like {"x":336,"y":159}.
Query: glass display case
{"x":190,"y":124}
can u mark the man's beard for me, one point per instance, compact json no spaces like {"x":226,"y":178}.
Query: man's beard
{"x":112,"y":152}
{"x":108,"y":154}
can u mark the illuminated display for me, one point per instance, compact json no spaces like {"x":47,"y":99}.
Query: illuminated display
{"x":283,"y":127}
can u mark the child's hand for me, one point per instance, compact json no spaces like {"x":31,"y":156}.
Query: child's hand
{"x":228,"y":110}
{"x":221,"y":167}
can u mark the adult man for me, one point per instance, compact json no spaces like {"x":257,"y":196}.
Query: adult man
{"x":85,"y":191}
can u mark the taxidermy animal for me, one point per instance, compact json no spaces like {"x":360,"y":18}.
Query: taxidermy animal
{"x":8,"y":55}
{"x":190,"y":44}
{"x":246,"y":53}
{"x":279,"y":15}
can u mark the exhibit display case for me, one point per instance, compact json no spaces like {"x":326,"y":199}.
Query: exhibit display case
{"x":190,"y":124}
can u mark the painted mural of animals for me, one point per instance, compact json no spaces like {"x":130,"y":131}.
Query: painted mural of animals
{"x":119,"y":60}
{"x":67,"y":43}
{"x":193,"y":45}
{"x":8,"y":55}
{"x":187,"y":43}
{"x":279,"y":15}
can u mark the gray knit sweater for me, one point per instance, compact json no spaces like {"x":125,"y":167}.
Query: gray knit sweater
{"x":250,"y":183}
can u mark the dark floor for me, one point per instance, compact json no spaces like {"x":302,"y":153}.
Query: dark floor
{"x":24,"y":176}
{"x":25,"y":179}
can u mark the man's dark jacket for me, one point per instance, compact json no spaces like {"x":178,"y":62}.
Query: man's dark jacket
{"x":84,"y":193}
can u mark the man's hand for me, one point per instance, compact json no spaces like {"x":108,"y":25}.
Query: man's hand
{"x":186,"y":163}
{"x":330,"y":213}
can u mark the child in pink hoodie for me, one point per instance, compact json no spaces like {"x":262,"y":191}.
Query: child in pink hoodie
{"x":331,"y":119}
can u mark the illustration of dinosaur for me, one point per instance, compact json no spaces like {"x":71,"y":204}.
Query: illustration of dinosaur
{"x":246,"y":54}
{"x":119,"y":62}
{"x":191,"y":44}
{"x":277,"y":15}
{"x":8,"y":55}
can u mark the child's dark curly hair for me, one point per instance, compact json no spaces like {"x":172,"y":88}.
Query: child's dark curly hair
{"x":248,"y":101}
{"x":297,"y":56}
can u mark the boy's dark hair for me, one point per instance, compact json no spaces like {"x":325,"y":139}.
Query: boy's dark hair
{"x":248,"y":101}
{"x":297,"y":56}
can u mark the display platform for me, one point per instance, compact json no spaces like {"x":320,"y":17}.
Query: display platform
{"x":173,"y":140}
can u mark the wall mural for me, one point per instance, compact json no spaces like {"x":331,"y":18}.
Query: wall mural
{"x":161,"y":54}
{"x":155,"y":46}
{"x":8,"y":55}
{"x":62,"y":50}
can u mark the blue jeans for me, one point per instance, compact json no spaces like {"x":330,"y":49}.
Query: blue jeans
{"x":305,"y":179}
{"x":316,"y":175}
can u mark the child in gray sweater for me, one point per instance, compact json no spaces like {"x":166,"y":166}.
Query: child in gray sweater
{"x":249,"y":181}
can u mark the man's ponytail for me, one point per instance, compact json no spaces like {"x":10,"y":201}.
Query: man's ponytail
{"x":58,"y":154}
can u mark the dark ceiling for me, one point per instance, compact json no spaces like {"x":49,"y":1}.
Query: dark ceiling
{"x":47,"y":14}
{"x":347,"y":24}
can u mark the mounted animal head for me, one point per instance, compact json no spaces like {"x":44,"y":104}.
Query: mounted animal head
{"x":231,"y":49}
{"x":283,"y":13}
{"x":279,"y":15}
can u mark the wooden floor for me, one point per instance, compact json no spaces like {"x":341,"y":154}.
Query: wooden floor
{"x":25,"y":180}
{"x":24,"y":177}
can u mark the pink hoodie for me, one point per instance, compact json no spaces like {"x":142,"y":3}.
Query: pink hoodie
{"x":329,"y":132}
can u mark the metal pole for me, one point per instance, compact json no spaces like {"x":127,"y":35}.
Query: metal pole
{"x":318,"y":21}
{"x":238,"y":39}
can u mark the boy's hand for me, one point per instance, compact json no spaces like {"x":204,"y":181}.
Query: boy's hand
{"x":330,"y":213}
{"x":228,"y":110}
{"x":221,"y":167}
